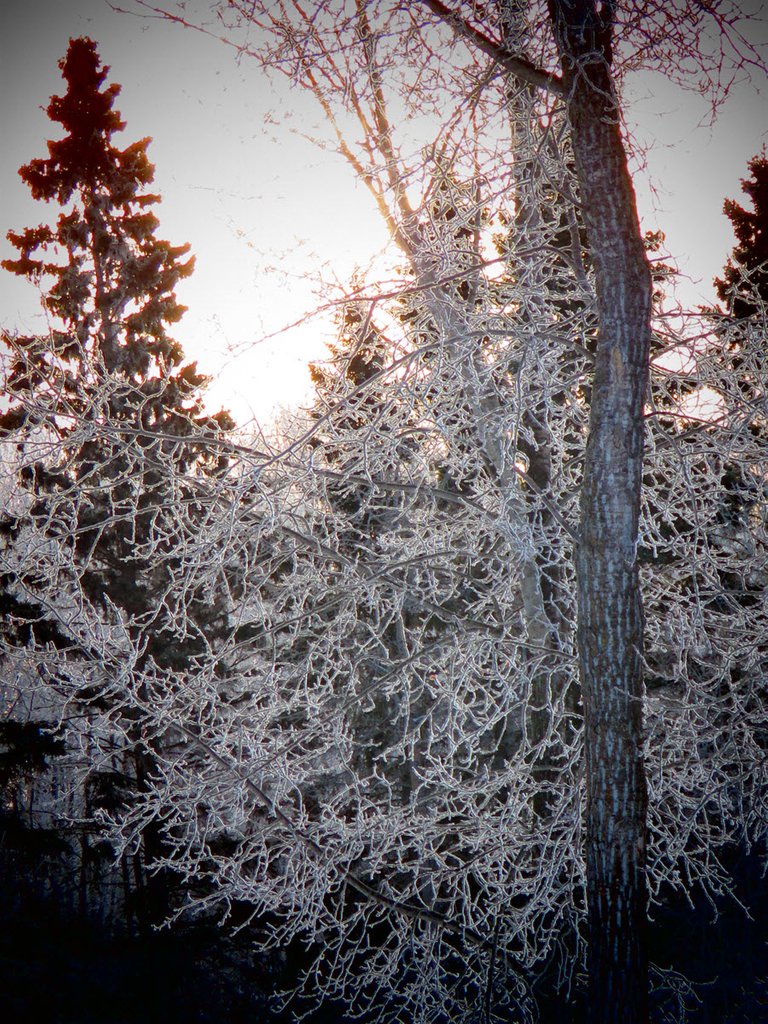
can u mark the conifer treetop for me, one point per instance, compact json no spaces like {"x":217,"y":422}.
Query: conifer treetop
{"x":107,"y":280}
{"x":745,"y":277}
{"x":85,"y":157}
{"x":115,"y":287}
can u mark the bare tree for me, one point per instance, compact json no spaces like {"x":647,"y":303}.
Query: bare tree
{"x":405,"y":751}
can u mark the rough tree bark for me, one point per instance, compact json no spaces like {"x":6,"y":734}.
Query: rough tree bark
{"x":610,"y":628}
{"x":610,"y":631}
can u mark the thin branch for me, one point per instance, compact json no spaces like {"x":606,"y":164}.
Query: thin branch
{"x":353,"y":879}
{"x":517,"y":66}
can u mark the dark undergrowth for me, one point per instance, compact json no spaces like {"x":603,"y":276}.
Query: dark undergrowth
{"x":56,"y":968}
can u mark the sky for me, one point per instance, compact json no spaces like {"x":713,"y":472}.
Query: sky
{"x":260,"y":205}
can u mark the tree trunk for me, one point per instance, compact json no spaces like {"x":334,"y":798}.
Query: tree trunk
{"x":610,"y":631}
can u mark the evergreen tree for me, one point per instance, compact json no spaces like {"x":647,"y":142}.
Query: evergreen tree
{"x":745,"y":277}
{"x":738,"y":354}
{"x":110,"y":439}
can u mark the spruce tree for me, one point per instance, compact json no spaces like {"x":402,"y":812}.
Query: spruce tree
{"x":110,"y":438}
{"x":745,"y":277}
{"x":738,"y":357}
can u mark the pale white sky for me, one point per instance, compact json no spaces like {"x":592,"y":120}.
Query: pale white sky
{"x":249,"y":197}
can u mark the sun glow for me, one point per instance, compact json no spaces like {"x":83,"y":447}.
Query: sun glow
{"x":278,"y":226}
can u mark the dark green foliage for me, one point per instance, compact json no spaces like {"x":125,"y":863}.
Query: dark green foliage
{"x":740,"y":340}
{"x":25,"y":749}
{"x":745,"y":278}
{"x":113,"y":293}
{"x":108,"y":381}
{"x":110,"y":432}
